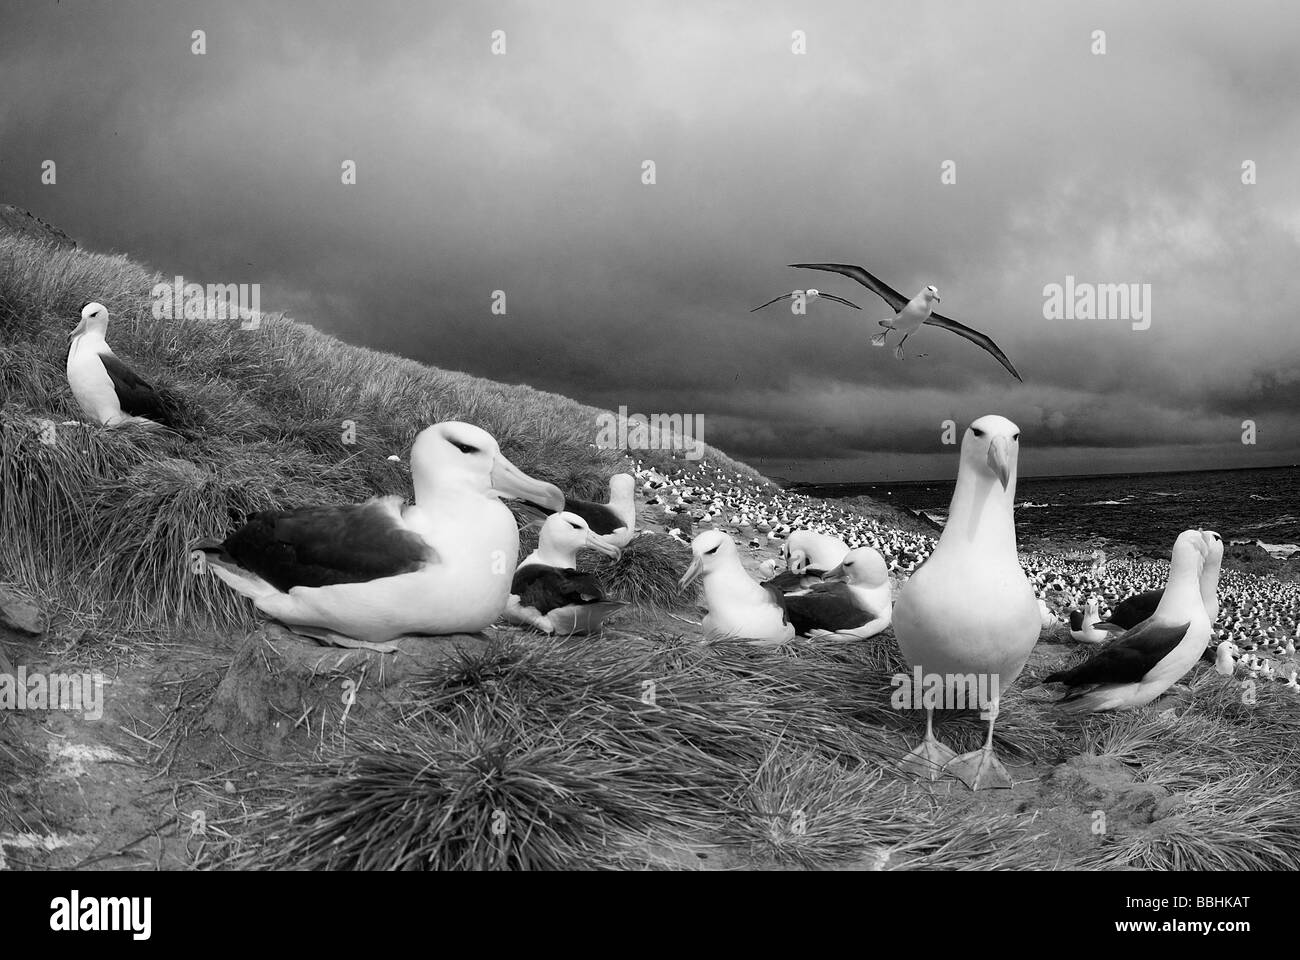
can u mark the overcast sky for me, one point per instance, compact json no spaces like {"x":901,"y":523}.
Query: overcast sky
{"x":523,"y":173}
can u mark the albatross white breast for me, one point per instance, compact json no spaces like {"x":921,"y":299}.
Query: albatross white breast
{"x":969,"y":609}
{"x":377,"y":570}
{"x":108,"y":391}
{"x":738,"y":606}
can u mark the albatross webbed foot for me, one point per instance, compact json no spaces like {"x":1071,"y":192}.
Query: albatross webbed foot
{"x":928,"y":760}
{"x":979,"y":770}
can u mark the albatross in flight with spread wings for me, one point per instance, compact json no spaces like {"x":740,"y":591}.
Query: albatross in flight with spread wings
{"x":911,"y":314}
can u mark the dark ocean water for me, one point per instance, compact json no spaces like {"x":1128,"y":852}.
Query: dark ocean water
{"x":1148,"y":510}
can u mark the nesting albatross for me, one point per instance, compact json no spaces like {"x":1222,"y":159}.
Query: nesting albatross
{"x":549,"y":593}
{"x":738,"y":606}
{"x":108,"y":391}
{"x":912,"y":314}
{"x":969,"y":610}
{"x":374,"y":571}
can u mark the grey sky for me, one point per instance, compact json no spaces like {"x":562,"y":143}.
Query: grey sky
{"x":523,"y":173}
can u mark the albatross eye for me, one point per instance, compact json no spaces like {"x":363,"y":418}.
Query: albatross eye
{"x":464,"y":447}
{"x":575,"y":526}
{"x":977,"y":431}
{"x":1016,"y":437}
{"x":714,"y":550}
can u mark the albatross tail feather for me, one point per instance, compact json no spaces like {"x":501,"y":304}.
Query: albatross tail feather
{"x":236,"y":577}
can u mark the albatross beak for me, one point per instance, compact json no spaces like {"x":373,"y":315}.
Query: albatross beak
{"x":597,"y":542}
{"x":693,"y":571}
{"x":1000,"y":459}
{"x":509,"y":481}
{"x":81,"y":328}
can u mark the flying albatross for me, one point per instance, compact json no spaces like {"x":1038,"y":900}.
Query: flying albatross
{"x":109,"y":392}
{"x":911,"y":314}
{"x":810,"y":296}
{"x":372,"y":572}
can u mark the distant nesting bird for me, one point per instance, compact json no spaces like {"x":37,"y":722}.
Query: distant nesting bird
{"x":549,"y":593}
{"x":854,"y":600}
{"x":1224,"y":664}
{"x":1144,"y":662}
{"x":911,"y":314}
{"x":810,"y":296}
{"x":374,"y":571}
{"x":738,"y":606}
{"x":1083,"y":624}
{"x":108,"y":391}
{"x":969,"y":609}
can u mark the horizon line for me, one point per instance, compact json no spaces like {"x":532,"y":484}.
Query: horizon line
{"x":1037,"y":476}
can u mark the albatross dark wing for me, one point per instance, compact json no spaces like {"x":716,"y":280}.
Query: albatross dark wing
{"x":975,"y":337}
{"x":877,"y":286}
{"x":320,"y":546}
{"x":547,"y":588}
{"x":1127,"y":659}
{"x":135,"y":395}
{"x":784,"y":296}
{"x":827,"y":606}
{"x":1129,"y":613}
{"x":599,"y":517}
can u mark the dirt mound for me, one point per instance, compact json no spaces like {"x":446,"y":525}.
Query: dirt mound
{"x":284,"y":693}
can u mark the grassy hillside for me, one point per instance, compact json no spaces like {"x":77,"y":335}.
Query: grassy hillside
{"x":99,"y":520}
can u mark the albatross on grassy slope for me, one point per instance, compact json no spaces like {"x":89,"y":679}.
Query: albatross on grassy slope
{"x":108,"y":391}
{"x":911,"y":314}
{"x":1144,"y":662}
{"x":854,"y":600}
{"x":374,"y":571}
{"x":969,"y":609}
{"x":738,"y":606}
{"x":549,"y":593}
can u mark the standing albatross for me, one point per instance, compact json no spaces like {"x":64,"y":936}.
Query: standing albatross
{"x":1129,"y":613}
{"x":108,"y":391}
{"x":969,"y":611}
{"x":912,"y":314}
{"x":377,"y":570}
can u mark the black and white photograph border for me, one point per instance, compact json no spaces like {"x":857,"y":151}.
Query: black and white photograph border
{"x":674,"y":436}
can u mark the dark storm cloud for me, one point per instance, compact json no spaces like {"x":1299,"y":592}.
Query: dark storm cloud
{"x":522,"y":173}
